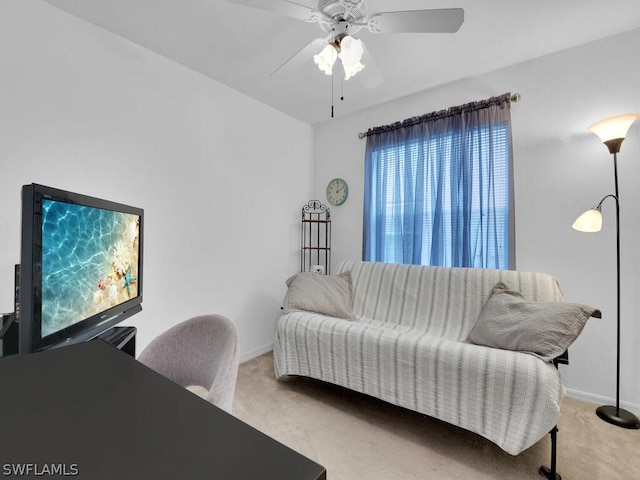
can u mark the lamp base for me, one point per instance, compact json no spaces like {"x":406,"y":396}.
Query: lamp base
{"x":546,"y":473}
{"x":618,"y":417}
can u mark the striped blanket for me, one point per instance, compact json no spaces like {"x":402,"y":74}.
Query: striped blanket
{"x":406,"y":346}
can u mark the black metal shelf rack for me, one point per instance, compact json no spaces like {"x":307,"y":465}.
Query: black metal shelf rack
{"x":315,"y":238}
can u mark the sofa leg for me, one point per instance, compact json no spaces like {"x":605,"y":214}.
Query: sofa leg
{"x":550,"y":473}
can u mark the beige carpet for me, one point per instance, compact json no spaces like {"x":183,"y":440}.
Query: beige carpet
{"x":358,"y":437}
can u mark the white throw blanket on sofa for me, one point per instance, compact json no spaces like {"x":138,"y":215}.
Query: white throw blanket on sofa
{"x":406,"y":345}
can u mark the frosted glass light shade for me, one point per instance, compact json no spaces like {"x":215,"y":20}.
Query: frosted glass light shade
{"x":590,"y":221}
{"x":351,"y":70}
{"x":351,"y":51}
{"x":326,"y":58}
{"x":613,"y":127}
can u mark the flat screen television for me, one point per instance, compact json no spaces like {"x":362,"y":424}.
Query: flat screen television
{"x":80,"y":267}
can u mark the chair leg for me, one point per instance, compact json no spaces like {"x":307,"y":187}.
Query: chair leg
{"x":550,"y":473}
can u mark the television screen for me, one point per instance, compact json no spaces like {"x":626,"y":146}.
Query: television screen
{"x":89,"y":262}
{"x":81,"y":266}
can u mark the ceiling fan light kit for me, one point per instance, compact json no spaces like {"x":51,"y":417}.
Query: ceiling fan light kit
{"x":348,"y":49}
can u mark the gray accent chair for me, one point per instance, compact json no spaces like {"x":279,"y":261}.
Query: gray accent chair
{"x":201,"y":352}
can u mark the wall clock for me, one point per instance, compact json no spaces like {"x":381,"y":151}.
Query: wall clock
{"x":337,"y":191}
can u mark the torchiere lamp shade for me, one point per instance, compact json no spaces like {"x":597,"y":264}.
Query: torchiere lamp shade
{"x":613,"y":130}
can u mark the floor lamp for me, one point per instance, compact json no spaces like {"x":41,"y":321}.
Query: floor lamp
{"x":612,"y":132}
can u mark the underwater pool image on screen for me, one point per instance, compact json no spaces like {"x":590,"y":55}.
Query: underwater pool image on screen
{"x":89,"y":262}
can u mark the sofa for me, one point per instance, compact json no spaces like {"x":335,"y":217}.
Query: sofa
{"x":471,"y":347}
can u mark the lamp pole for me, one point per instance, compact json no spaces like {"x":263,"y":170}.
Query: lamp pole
{"x":615,"y":176}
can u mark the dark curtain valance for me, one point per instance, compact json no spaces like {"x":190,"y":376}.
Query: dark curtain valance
{"x":448,"y":112}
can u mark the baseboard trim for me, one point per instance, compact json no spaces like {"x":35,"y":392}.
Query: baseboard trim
{"x":602,"y":400}
{"x":256,"y":352}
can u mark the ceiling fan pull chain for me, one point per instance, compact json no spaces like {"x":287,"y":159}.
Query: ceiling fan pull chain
{"x":332,"y":94}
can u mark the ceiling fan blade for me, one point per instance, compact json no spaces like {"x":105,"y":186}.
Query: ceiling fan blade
{"x":284,"y":7}
{"x":370,"y":77}
{"x":301,"y":57}
{"x":445,"y":20}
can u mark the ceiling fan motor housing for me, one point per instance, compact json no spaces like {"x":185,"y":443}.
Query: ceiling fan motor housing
{"x":349,"y":10}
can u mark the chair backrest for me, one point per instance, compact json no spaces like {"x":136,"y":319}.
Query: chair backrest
{"x":200,"y":351}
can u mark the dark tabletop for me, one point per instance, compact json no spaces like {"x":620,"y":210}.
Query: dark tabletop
{"x":95,"y":411}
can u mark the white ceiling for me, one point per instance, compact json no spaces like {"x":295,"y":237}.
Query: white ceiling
{"x":240,"y":46}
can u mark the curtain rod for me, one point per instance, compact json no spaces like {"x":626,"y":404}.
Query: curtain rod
{"x":514,"y":98}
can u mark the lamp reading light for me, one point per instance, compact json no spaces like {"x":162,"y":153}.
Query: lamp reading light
{"x":590,"y":221}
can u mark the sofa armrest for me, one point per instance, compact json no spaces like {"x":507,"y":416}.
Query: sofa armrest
{"x":563,"y":359}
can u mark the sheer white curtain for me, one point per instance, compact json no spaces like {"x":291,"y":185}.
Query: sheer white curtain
{"x":439,"y":188}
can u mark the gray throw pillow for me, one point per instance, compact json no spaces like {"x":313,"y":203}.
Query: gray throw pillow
{"x":545,"y":329}
{"x":326,"y":294}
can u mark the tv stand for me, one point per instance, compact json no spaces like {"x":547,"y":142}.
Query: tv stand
{"x":123,"y":338}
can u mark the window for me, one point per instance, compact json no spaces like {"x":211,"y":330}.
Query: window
{"x":439,"y":192}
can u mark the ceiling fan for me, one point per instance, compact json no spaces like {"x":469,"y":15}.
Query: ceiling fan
{"x":340,"y":19}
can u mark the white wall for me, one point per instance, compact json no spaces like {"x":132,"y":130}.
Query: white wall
{"x":84,"y":110}
{"x":560,"y":170}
